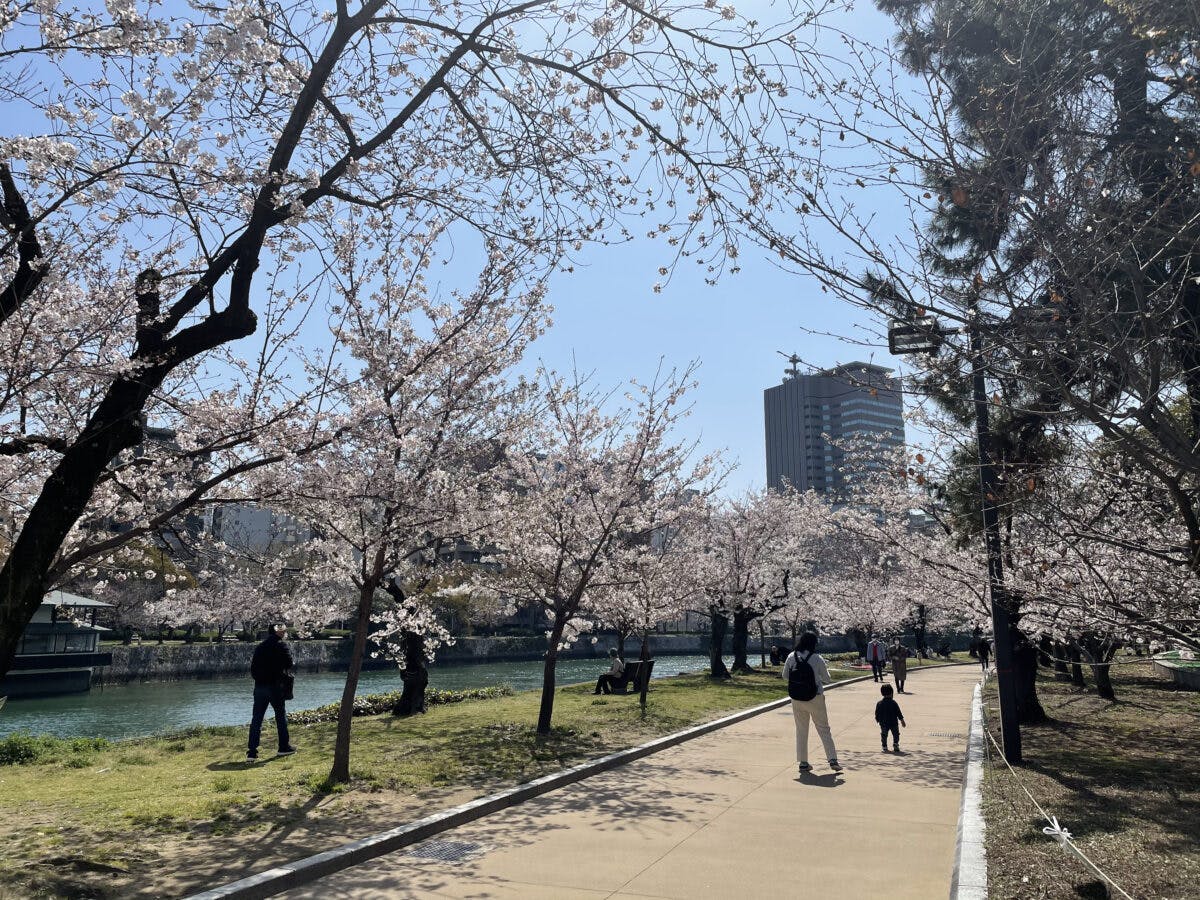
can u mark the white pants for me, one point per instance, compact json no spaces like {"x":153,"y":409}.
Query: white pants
{"x":814,"y":709}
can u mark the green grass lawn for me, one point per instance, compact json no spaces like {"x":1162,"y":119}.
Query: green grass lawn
{"x":112,"y":821}
{"x":1123,"y":778}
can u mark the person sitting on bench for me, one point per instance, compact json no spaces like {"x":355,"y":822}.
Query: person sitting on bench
{"x":605,"y":683}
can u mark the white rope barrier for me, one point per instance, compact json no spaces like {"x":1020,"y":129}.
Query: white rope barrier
{"x":1054,"y":830}
{"x":1117,"y":663}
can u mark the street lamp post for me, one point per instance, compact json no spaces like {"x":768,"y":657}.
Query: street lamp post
{"x":924,"y":336}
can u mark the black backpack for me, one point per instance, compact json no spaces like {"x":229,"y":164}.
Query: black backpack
{"x":802,"y":680}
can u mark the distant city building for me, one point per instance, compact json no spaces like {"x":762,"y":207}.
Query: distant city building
{"x":818,"y":422}
{"x":258,"y":529}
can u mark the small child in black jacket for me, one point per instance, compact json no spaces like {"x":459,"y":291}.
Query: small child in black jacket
{"x":887,"y":714}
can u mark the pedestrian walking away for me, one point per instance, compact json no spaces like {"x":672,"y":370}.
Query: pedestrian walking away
{"x":877,"y":657}
{"x":806,"y":675}
{"x":606,"y":682}
{"x":899,"y":658}
{"x":271,"y":668}
{"x":890,"y":718}
{"x":984,"y":651}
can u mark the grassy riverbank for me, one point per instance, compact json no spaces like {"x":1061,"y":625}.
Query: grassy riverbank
{"x":1123,"y":778}
{"x":164,"y":816}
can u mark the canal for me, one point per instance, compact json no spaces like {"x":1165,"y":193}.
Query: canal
{"x":146,"y":708}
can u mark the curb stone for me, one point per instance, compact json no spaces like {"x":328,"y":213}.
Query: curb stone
{"x":969,"y":880}
{"x":282,"y":878}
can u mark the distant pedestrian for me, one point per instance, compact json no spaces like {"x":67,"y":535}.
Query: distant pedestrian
{"x":271,"y":668}
{"x":889,"y":717}
{"x":806,"y":675}
{"x":877,"y":657}
{"x":899,"y":658}
{"x":775,"y":654}
{"x":984,"y":651}
{"x":606,"y":682}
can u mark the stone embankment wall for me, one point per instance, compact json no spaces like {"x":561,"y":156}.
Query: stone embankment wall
{"x":173,"y":662}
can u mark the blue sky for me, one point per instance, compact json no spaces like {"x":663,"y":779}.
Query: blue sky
{"x":609,"y":320}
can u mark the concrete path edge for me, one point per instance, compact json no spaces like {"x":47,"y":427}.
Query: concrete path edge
{"x":969,"y":880}
{"x":281,"y":878}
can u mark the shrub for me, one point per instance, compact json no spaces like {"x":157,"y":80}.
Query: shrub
{"x":376,"y":704}
{"x":21,"y":748}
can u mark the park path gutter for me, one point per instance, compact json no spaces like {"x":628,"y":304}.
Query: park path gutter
{"x":969,"y":881}
{"x":282,"y":878}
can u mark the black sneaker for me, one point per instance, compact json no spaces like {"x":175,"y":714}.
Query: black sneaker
{"x":286,"y":751}
{"x":884,"y":748}
{"x":251,"y":754}
{"x":835,"y":765}
{"x":805,"y":767}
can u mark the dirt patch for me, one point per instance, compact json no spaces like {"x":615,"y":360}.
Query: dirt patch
{"x":1123,"y":777}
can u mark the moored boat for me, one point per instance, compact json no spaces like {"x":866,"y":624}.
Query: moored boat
{"x":59,"y":649}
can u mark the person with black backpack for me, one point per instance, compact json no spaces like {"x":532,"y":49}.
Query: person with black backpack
{"x":806,"y":675}
{"x":271,"y":668}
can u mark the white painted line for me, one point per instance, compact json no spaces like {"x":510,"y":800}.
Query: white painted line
{"x":969,"y":881}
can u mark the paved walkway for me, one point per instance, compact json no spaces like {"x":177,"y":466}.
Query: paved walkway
{"x":724,"y":815}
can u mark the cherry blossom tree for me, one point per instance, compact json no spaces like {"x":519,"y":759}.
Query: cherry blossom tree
{"x":1048,"y":187}
{"x":585,"y":486}
{"x":418,"y":416}
{"x":1100,"y":562}
{"x":745,"y":542}
{"x":657,"y":577}
{"x":176,"y":178}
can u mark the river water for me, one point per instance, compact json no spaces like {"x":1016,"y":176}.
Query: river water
{"x":146,"y":708}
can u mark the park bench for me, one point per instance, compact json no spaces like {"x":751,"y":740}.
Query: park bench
{"x":631,"y":679}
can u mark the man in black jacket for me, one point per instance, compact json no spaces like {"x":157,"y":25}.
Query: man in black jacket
{"x":271,"y":663}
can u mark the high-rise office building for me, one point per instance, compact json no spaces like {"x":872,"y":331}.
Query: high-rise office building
{"x":818,"y":422}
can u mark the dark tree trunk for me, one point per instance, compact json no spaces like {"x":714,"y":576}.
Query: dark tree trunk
{"x":24,"y":578}
{"x":741,"y":640}
{"x":644,"y":656}
{"x":546,"y":710}
{"x":860,"y":641}
{"x":1044,"y":652}
{"x":1100,"y":654}
{"x":620,"y":643}
{"x":415,"y":676}
{"x":1104,"y":686}
{"x":1060,"y":662}
{"x":413,"y":672}
{"x":1076,"y":658}
{"x":720,"y":625}
{"x":113,"y":427}
{"x":1029,"y":709}
{"x":340,"y":772}
{"x":920,"y":629}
